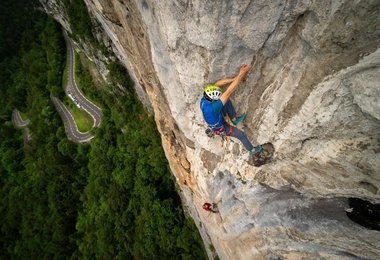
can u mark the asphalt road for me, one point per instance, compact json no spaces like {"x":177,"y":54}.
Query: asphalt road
{"x":18,"y":120}
{"x":71,"y":128}
{"x":94,"y":111}
{"x":87,"y":105}
{"x":22,"y":124}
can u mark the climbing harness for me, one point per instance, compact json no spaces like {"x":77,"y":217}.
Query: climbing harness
{"x":221,"y":131}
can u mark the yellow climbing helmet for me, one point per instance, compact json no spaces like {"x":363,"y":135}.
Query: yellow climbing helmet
{"x":213,"y":92}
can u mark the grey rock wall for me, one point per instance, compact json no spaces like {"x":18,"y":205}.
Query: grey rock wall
{"x":313,"y":92}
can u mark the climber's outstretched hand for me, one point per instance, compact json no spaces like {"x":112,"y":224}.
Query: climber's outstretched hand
{"x":245,"y":69}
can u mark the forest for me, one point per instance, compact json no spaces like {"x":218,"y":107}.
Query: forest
{"x":114,"y":198}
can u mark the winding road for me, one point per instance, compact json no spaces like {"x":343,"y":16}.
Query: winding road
{"x":71,"y":128}
{"x":95,"y":112}
{"x":18,"y":120}
{"x":87,"y":105}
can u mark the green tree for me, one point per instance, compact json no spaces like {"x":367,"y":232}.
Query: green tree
{"x":113,"y":198}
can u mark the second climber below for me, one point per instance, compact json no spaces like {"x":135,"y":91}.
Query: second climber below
{"x":216,"y":105}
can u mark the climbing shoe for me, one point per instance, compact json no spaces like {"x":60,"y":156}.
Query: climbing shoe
{"x":256,"y":150}
{"x":239,"y":119}
{"x":261,"y":154}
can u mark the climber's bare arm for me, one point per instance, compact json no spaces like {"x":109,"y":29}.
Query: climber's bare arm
{"x":231,"y":88}
{"x":223,"y":82}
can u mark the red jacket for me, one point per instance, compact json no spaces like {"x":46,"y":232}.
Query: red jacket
{"x":207,"y":206}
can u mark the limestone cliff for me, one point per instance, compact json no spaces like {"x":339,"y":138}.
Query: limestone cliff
{"x":314,"y":92}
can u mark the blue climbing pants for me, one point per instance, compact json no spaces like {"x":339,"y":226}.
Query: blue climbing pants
{"x":228,"y":109}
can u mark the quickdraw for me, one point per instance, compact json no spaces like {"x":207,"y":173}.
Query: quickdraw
{"x":210,"y":133}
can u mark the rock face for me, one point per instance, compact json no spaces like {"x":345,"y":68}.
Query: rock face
{"x":314,"y":92}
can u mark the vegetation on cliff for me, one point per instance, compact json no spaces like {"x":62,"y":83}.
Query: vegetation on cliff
{"x":113,"y":198}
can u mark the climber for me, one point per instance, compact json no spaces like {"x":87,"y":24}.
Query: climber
{"x":216,"y":105}
{"x":208,"y":207}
